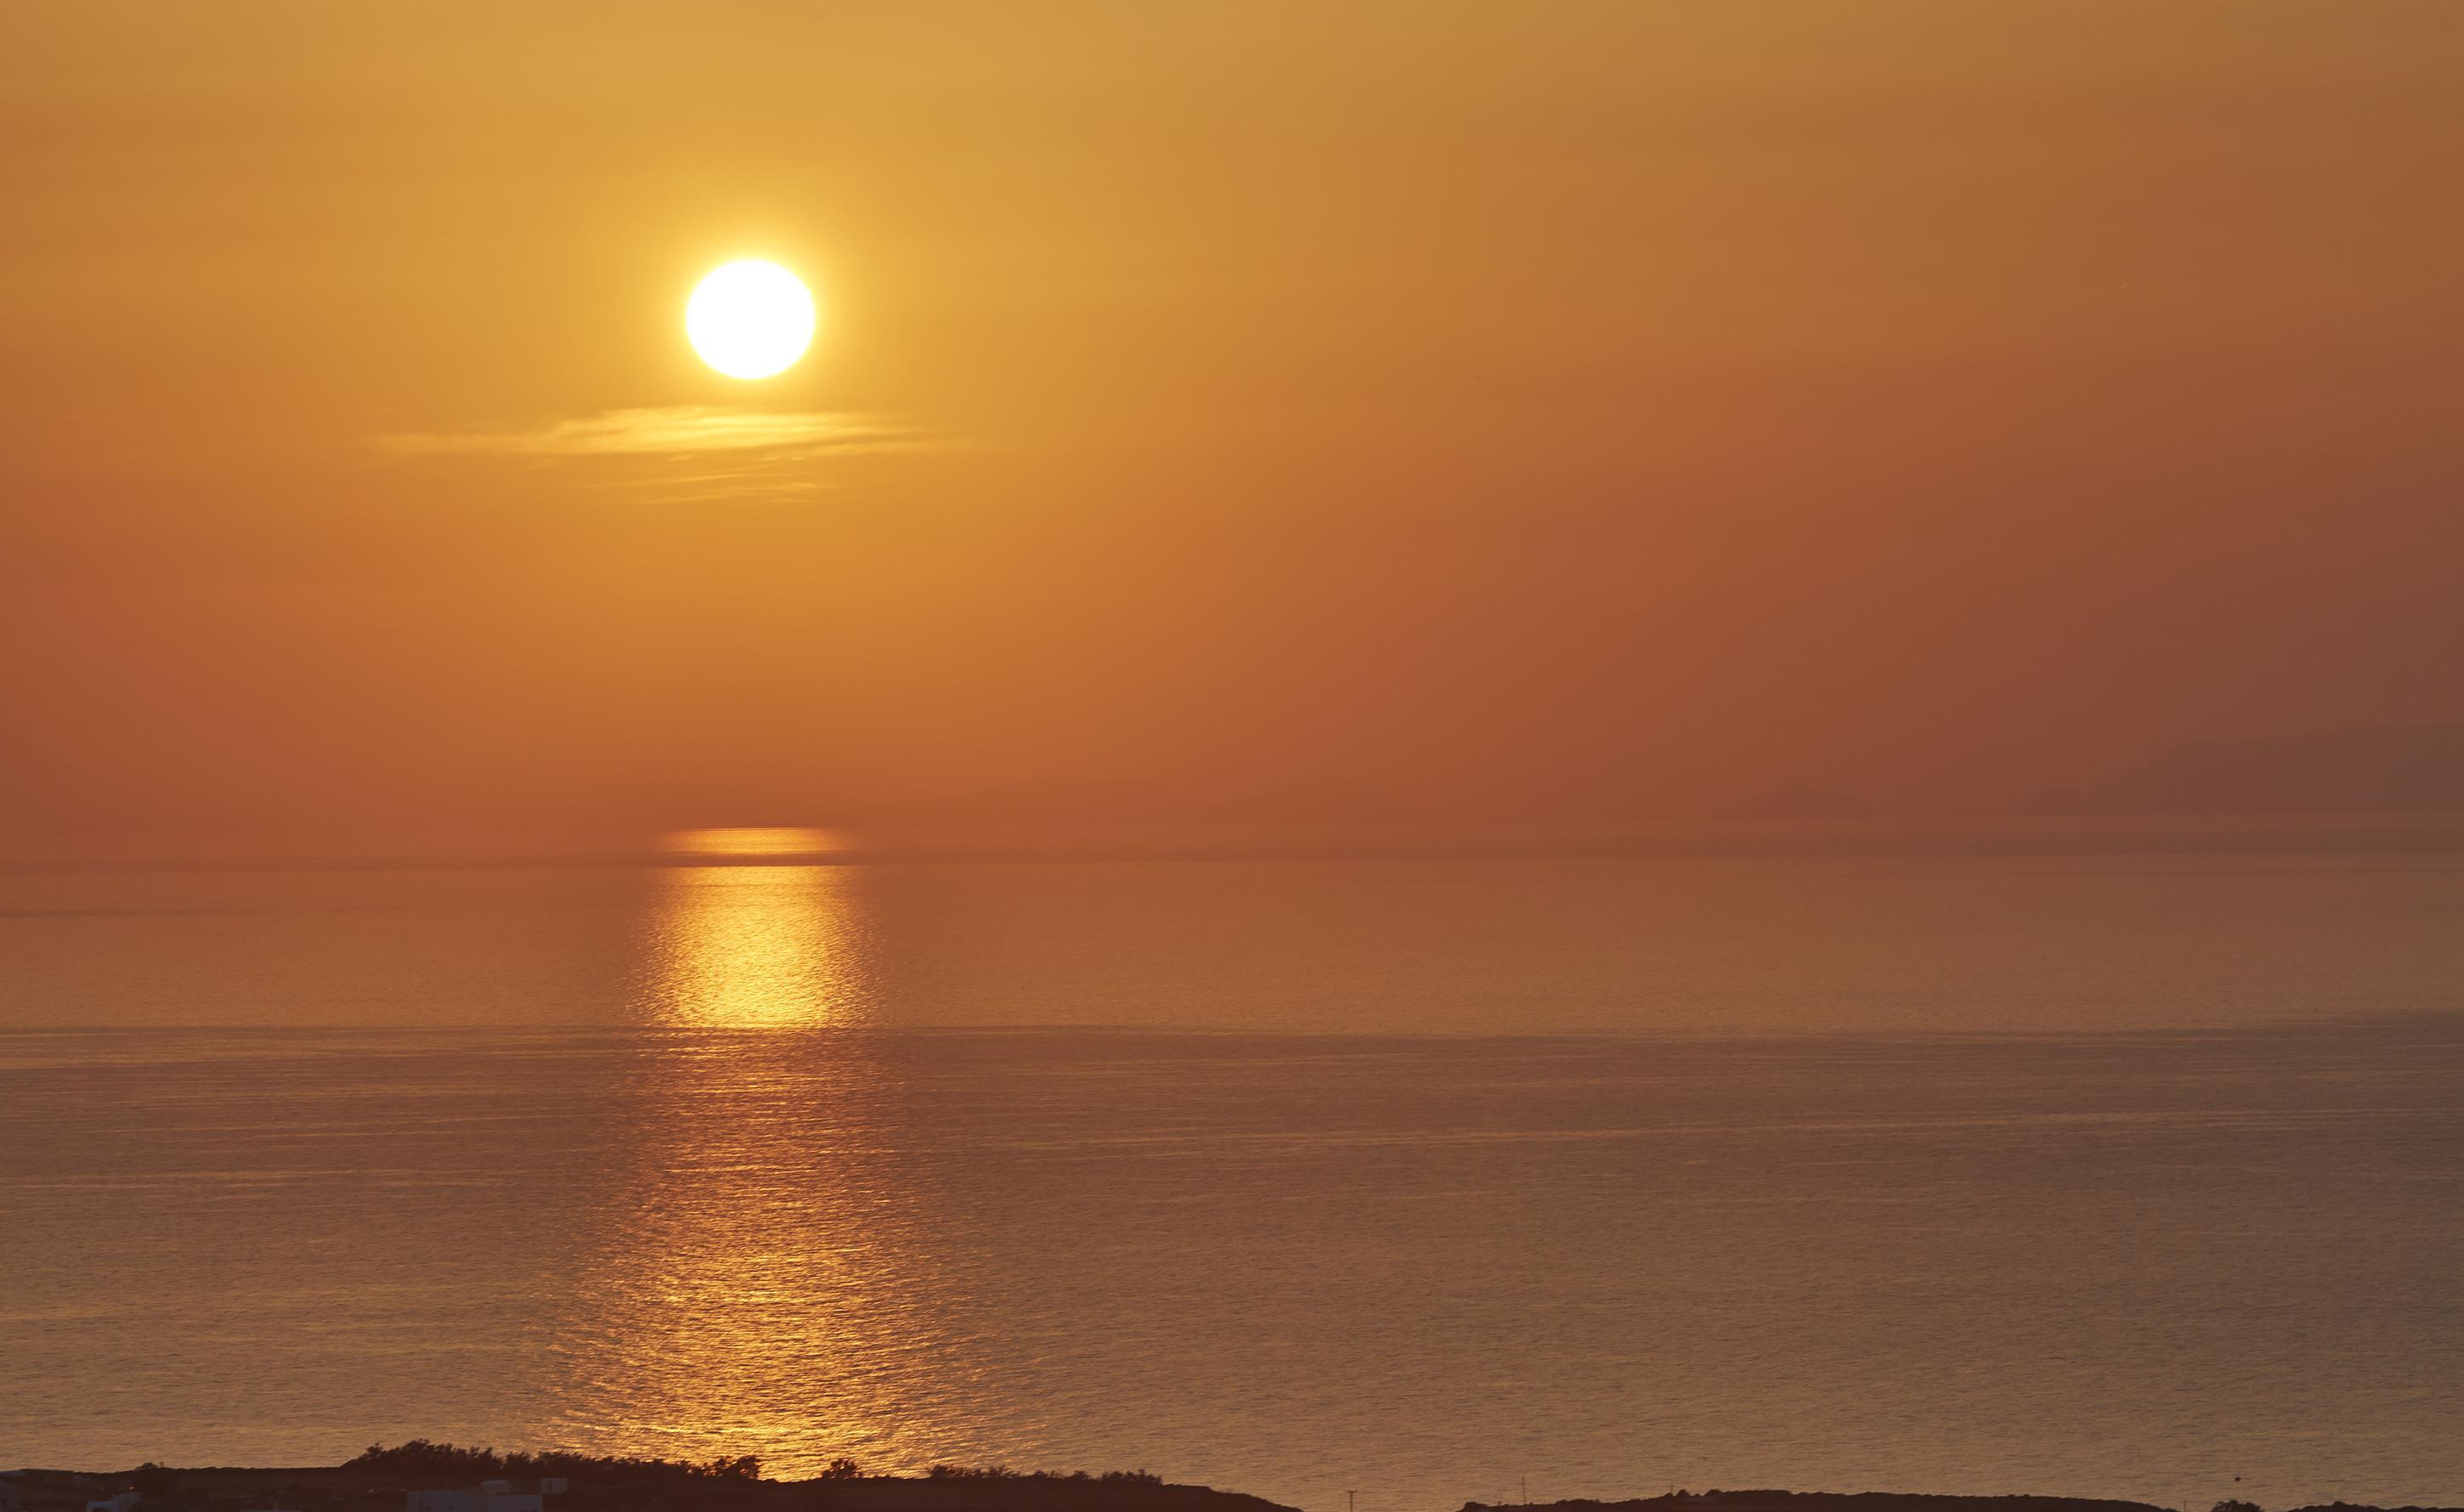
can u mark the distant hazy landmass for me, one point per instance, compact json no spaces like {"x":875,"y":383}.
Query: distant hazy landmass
{"x":1071,"y":800}
{"x":1796,"y":801}
{"x":2386,"y":770}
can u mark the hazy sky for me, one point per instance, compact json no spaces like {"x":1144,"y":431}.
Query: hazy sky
{"x":1582,"y":407}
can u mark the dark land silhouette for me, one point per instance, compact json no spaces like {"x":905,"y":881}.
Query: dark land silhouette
{"x":379,"y":1481}
{"x":1894,"y":1501}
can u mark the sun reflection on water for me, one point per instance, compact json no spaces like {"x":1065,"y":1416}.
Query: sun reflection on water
{"x":758,"y":947}
{"x":763,"y":1286}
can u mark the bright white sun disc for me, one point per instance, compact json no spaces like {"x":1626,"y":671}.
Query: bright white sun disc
{"x":750,"y":319}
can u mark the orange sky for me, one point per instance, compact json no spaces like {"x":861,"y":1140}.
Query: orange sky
{"x":1570,"y":408}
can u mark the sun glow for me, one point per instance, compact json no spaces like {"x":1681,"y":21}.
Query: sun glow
{"x":750,"y":319}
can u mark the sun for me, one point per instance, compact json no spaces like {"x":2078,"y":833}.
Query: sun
{"x":750,"y":319}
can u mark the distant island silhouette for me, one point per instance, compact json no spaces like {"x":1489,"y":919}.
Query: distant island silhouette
{"x":2377,"y":770}
{"x":2390,"y":769}
{"x":1795,"y":801}
{"x":1064,"y":800}
{"x":431,"y":1477}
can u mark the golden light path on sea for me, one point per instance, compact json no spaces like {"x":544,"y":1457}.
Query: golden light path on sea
{"x":766,"y":1288}
{"x":747,"y":946}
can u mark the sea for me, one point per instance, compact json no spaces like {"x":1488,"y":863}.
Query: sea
{"x":1387,"y":1173}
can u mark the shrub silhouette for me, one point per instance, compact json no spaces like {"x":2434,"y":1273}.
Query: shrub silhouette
{"x":423,"y":1458}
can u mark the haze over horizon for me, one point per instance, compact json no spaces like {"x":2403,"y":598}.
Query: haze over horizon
{"x":1361,"y":751}
{"x":1626,"y":414}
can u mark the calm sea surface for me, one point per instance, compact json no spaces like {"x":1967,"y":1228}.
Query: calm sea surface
{"x":1415,"y":1176}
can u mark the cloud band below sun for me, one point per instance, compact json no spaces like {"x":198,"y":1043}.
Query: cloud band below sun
{"x":684,"y":454}
{"x":677,"y":431}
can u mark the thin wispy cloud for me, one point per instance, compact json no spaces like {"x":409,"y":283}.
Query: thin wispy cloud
{"x":684,"y":454}
{"x":678,"y":432}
